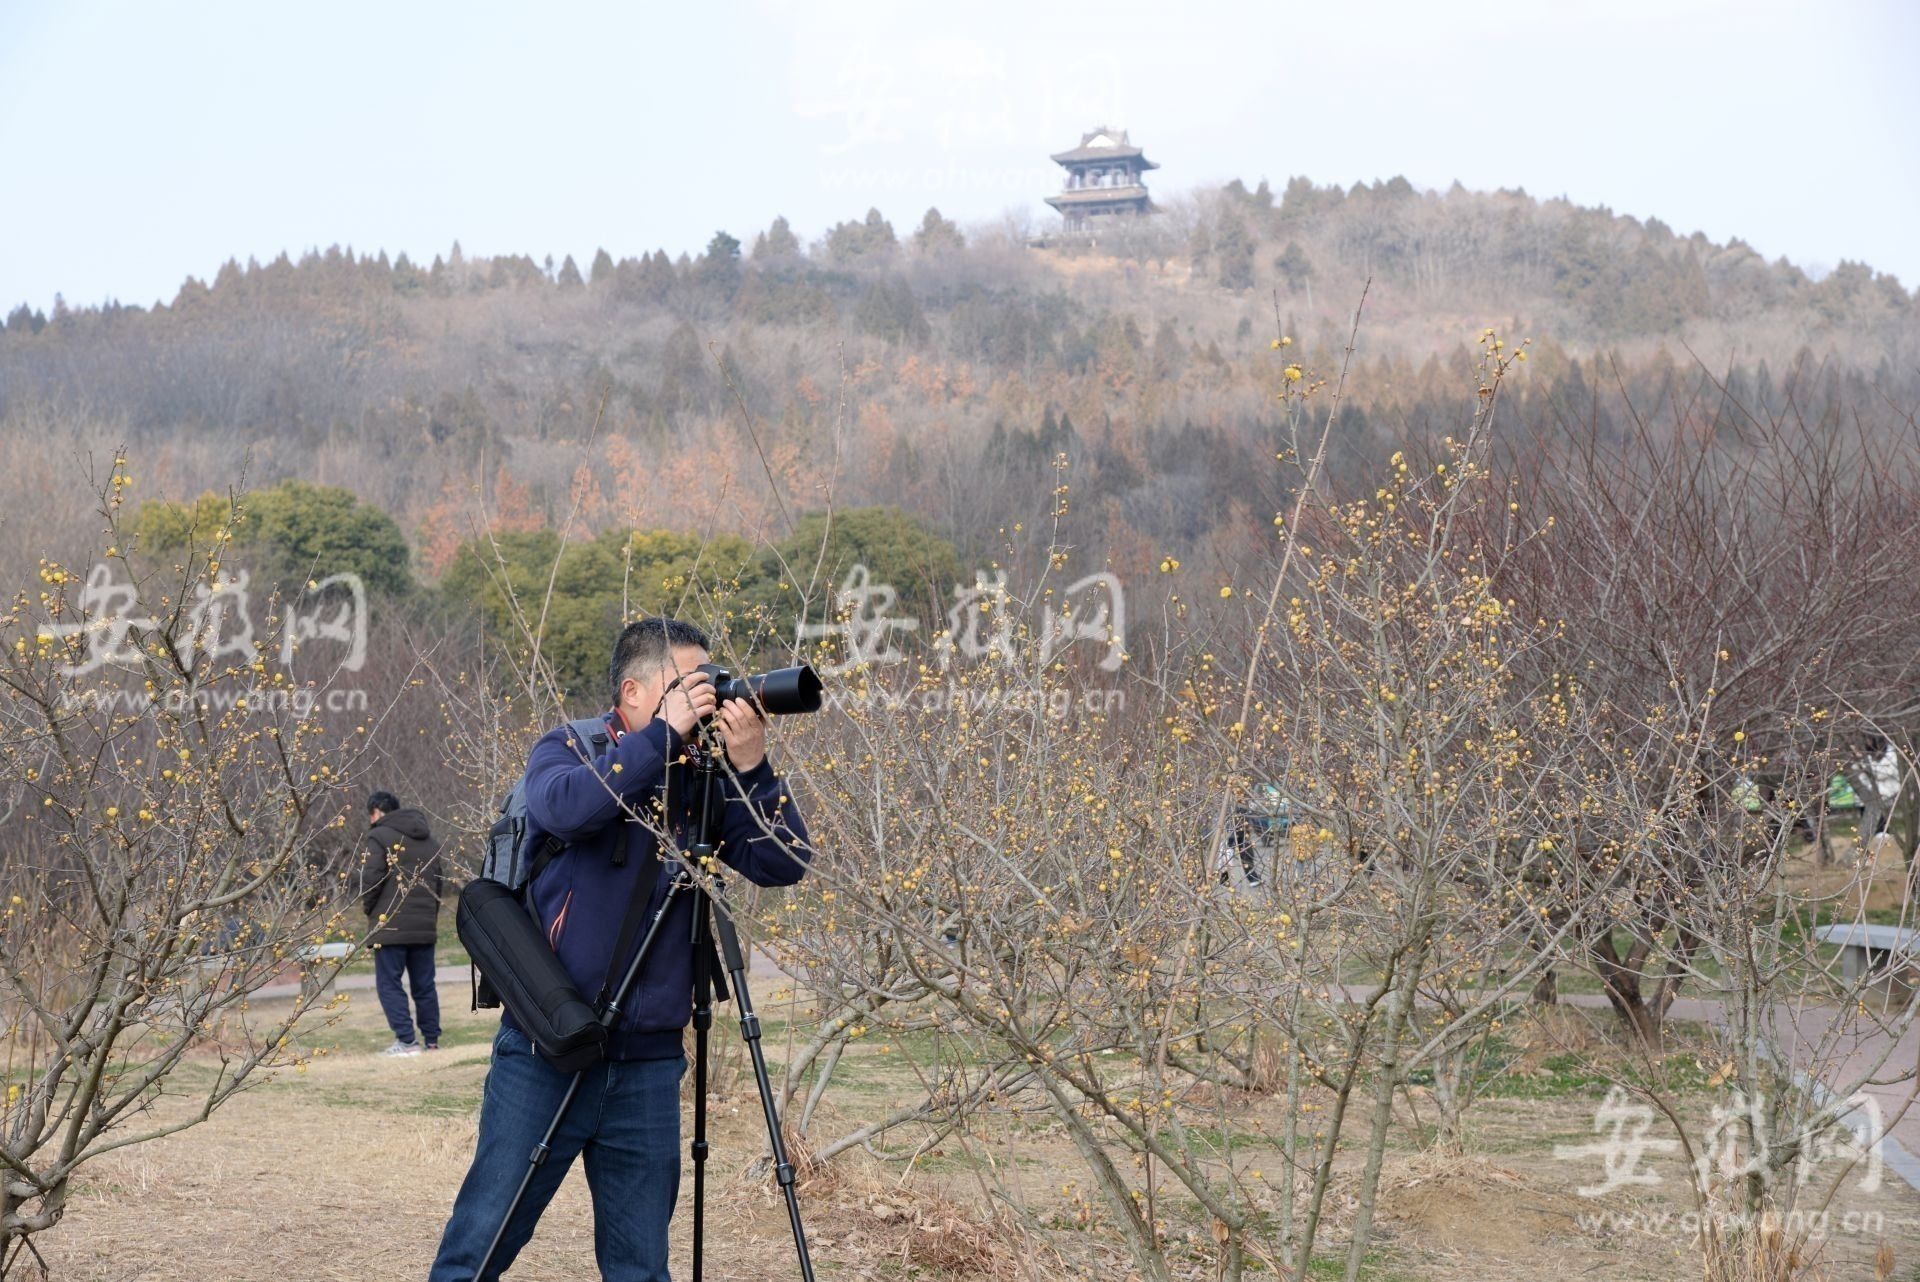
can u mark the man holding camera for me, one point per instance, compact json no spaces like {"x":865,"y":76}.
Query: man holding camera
{"x":609,"y":810}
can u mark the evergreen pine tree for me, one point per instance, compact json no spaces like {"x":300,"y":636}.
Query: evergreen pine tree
{"x":719,"y":267}
{"x":1233,"y":251}
{"x":937,"y":234}
{"x":777,"y":242}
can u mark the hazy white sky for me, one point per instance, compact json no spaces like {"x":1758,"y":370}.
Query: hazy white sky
{"x":142,"y":142}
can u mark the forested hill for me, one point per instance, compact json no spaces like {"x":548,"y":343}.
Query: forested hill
{"x":939,"y":369}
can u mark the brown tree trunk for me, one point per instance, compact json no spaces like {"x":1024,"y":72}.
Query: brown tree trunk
{"x":1546,"y":989}
{"x":1621,"y":980}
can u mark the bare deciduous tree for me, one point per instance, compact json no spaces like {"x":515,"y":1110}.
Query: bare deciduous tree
{"x":171,"y":799}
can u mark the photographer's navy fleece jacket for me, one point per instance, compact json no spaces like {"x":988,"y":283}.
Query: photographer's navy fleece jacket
{"x":581,"y":897}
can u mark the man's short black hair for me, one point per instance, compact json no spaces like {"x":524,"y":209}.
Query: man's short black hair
{"x":647,"y":643}
{"x":385,"y":802}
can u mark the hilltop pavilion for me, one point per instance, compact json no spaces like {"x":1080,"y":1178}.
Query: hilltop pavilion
{"x":1105,"y":178}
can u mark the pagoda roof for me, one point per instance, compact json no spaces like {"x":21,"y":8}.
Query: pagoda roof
{"x":1104,"y":144}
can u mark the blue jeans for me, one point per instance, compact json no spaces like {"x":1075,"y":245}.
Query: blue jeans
{"x":415,"y":961}
{"x":624,"y":1123}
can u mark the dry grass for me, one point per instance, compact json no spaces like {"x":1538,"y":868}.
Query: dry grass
{"x":347,"y":1172}
{"x":1883,"y":887}
{"x":1473,"y":1207}
{"x":918,"y":1229}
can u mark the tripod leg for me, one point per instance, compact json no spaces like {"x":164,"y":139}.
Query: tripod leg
{"x":750,"y":1029}
{"x":610,"y":1016}
{"x":702,"y":852}
{"x":535,"y":1160}
{"x":702,"y":1022}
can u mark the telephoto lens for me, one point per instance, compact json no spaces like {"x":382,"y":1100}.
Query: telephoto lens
{"x":783,"y":692}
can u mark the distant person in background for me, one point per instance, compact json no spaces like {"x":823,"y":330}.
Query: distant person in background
{"x":401,"y":877}
{"x":1875,"y":777}
{"x":1239,"y":845}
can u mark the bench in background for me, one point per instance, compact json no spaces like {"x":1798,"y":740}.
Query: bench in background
{"x":1875,"y":950}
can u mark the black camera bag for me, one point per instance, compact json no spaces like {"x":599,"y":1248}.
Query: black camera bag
{"x":513,"y":956}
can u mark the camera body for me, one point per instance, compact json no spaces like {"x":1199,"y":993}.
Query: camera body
{"x":781,"y":692}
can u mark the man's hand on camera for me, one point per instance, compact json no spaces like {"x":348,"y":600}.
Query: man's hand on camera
{"x":691,"y":701}
{"x":745,"y":731}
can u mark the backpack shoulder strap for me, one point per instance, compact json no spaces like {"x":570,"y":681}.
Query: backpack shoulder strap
{"x":592,"y":733}
{"x":549,"y":847}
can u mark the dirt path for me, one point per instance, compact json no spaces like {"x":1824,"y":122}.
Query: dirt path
{"x":346,"y":1171}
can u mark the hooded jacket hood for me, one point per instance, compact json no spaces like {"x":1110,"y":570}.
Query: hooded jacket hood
{"x":408,"y":822}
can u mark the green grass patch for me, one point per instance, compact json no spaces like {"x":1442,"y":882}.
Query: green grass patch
{"x":1223,"y":1141}
{"x":1578,"y":1076}
{"x":1372,"y":1269}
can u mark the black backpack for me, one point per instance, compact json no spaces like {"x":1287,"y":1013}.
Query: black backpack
{"x":509,"y":957}
{"x":507,"y":859}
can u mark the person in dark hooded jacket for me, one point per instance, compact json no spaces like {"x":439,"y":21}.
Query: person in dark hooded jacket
{"x":401,"y":877}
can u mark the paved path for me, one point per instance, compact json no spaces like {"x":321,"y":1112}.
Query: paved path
{"x":1803,"y":1034}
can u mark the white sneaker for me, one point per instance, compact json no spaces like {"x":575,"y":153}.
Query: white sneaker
{"x":399,"y":1049}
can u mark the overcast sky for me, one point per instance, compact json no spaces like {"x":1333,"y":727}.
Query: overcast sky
{"x":141,"y":143}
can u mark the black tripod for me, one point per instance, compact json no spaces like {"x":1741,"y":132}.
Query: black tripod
{"x":711,"y":922}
